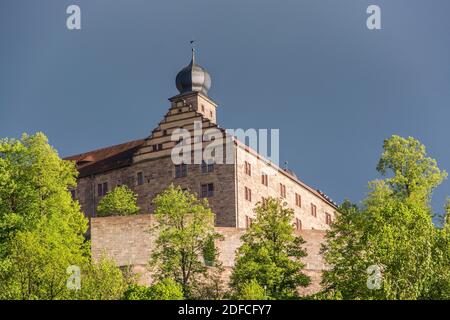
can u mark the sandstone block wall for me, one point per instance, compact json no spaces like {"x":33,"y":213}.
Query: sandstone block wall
{"x":275,"y":177}
{"x":129,"y":242}
{"x":158,"y":175}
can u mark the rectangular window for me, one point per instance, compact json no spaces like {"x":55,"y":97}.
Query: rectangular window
{"x":248,"y":222}
{"x":313,"y":210}
{"x":180,"y":170}
{"x":327,"y":218}
{"x":298,"y":200}
{"x":140,"y":178}
{"x":298,"y":224}
{"x":248,"y":194}
{"x":264,"y":179}
{"x":207,"y":167}
{"x":157,"y":147}
{"x":248,"y":168}
{"x":282,"y":190}
{"x":102,"y":189}
{"x":207,"y":190}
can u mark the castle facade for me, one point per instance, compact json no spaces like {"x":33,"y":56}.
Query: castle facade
{"x":232,"y":189}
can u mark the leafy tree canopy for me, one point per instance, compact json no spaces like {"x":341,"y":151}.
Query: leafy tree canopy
{"x":271,"y":253}
{"x":185,"y":228}
{"x":386,"y":249}
{"x":121,"y":201}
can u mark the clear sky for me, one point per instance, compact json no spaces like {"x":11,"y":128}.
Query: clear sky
{"x":311,"y":68}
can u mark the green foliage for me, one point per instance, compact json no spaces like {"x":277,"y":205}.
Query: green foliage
{"x":252,"y":291}
{"x":440,"y":287}
{"x":41,"y":227}
{"x":271,"y":253}
{"x":136,"y":292}
{"x":209,"y":251}
{"x":392,"y":231}
{"x":102,"y":280}
{"x":121,"y":201}
{"x":184,"y":226}
{"x":414,"y":174}
{"x":166,"y":289}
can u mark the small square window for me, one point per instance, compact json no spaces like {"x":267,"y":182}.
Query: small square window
{"x":298,"y":224}
{"x":180,"y":170}
{"x":248,"y":194}
{"x":298,"y":200}
{"x":313,"y":210}
{"x":248,"y":222}
{"x":207,"y":190}
{"x":102,"y":189}
{"x":140,"y":178}
{"x":248,"y":168}
{"x":265,"y":179}
{"x":327,"y":218}
{"x":207,"y":167}
{"x":282,"y":190}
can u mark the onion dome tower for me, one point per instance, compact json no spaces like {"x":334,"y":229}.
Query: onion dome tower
{"x":193,"y":78}
{"x":193,"y":83}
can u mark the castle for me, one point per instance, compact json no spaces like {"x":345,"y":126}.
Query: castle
{"x":232,"y":189}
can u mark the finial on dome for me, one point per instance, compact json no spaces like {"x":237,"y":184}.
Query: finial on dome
{"x":193,"y":78}
{"x":193,"y":51}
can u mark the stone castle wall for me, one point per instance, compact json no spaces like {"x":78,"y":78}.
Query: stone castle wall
{"x":129,"y":242}
{"x":158,"y":175}
{"x":277,"y":176}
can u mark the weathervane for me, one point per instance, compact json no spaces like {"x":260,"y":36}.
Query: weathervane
{"x":192,"y":42}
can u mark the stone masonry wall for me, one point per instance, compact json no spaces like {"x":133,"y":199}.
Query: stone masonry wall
{"x":129,"y":242}
{"x":158,"y":175}
{"x":275,"y":177}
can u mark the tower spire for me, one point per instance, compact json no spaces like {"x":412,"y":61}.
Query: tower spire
{"x":193,"y":50}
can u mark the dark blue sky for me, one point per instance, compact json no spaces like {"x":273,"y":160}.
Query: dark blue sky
{"x":310,"y":68}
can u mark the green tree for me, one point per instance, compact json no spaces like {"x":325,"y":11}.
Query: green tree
{"x":185,"y":225}
{"x":166,"y":289}
{"x":440,"y":288}
{"x":121,"y":201}
{"x":252,"y":291}
{"x":271,"y":253}
{"x":103,"y":280}
{"x":41,"y":227}
{"x":392,"y":232}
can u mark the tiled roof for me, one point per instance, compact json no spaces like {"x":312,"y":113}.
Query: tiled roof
{"x":105,"y":159}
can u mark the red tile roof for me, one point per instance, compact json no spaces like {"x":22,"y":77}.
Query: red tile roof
{"x":105,"y":159}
